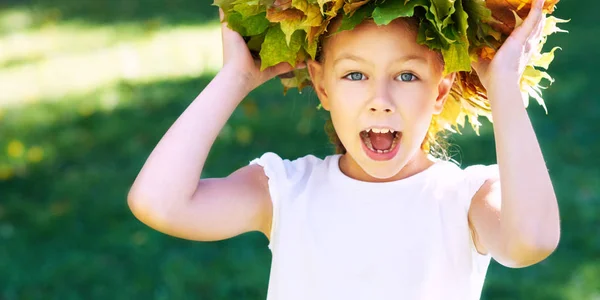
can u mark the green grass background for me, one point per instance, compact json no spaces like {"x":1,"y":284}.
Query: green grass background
{"x":70,"y":150}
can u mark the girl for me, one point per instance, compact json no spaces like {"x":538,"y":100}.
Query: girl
{"x":383,"y":219}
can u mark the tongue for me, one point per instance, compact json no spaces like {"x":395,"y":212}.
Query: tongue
{"x":381,"y":141}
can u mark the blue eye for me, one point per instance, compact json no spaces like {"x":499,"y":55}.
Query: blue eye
{"x":354,"y":76}
{"x":407,"y":77}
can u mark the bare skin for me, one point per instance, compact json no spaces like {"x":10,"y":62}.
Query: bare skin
{"x":516,"y":222}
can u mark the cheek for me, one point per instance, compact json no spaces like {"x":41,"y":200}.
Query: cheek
{"x":343,"y":118}
{"x":417,"y":105}
{"x":347,"y":102}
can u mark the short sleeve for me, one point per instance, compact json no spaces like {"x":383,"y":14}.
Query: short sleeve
{"x":475,"y":177}
{"x":284,"y":176}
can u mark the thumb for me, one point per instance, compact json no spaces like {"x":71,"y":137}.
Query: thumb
{"x":480,"y":66}
{"x":229,"y":38}
{"x":221,"y":14}
{"x":280,"y":69}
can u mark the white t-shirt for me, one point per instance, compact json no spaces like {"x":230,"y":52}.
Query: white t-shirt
{"x":334,"y":237}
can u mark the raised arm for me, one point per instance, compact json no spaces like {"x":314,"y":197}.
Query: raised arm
{"x":167,"y":194}
{"x":515,"y":217}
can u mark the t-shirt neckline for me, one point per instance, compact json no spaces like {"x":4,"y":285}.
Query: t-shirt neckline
{"x":340,"y":176}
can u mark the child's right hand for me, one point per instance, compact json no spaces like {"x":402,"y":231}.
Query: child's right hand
{"x":237,"y":57}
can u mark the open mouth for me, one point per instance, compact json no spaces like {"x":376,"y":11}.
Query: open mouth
{"x":380,"y":140}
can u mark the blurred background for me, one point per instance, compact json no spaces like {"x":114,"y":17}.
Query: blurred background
{"x":87,"y":89}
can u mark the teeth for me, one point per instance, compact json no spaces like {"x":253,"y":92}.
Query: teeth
{"x":369,"y":145}
{"x":379,"y":130}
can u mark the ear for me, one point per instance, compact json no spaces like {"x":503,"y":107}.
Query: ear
{"x":444,"y":88}
{"x":315,"y":69}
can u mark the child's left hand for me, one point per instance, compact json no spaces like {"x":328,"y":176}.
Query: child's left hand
{"x":508,"y":64}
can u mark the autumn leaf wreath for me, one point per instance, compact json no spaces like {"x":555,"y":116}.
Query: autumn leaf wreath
{"x":462,"y":30}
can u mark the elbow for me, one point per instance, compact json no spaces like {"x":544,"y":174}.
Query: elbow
{"x":139,"y":207}
{"x":135,"y":204}
{"x":530,"y":251}
{"x":147,"y":210}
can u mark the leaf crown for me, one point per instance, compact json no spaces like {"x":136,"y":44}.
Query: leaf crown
{"x":462,"y":30}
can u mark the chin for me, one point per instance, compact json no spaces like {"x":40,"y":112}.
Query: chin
{"x":382,"y":174}
{"x":384,"y":169}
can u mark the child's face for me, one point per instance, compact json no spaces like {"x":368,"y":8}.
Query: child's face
{"x":380,"y":78}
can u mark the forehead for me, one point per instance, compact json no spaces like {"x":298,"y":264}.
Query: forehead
{"x":399,"y":38}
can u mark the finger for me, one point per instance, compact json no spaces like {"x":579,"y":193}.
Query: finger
{"x":287,"y":75}
{"x":224,"y":33}
{"x":285,"y":67}
{"x":281,"y":69}
{"x":531,"y":22}
{"x":533,"y":19}
{"x":480,"y":66}
{"x":533,"y":42}
{"x":223,"y":23}
{"x":537,"y":32}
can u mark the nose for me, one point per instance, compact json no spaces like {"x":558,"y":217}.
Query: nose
{"x":381,"y":101}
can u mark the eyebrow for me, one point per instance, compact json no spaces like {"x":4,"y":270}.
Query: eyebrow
{"x":360,"y":59}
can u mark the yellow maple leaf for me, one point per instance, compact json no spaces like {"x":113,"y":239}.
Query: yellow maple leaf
{"x":352,"y":6}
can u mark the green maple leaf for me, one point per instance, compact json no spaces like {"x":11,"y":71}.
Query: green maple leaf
{"x":443,"y":10}
{"x":234,"y":21}
{"x":456,"y":56}
{"x":429,"y":36}
{"x":477,"y":10}
{"x":275,"y":49}
{"x":349,"y":22}
{"x":289,"y":27}
{"x":248,"y":8}
{"x":226,"y":5}
{"x":311,"y":49}
{"x":390,"y":10}
{"x":441,"y":30}
{"x":461,"y":19}
{"x":255,"y":42}
{"x":479,"y":32}
{"x":253,"y":25}
{"x":442,"y":19}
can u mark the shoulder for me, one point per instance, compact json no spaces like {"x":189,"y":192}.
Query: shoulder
{"x":289,"y":170}
{"x":466,"y":181}
{"x":471,"y":175}
{"x":286,"y":178}
{"x":476,"y":176}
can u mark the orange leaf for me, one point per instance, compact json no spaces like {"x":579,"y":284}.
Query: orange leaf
{"x":275,"y":15}
{"x":316,"y":31}
{"x":487,"y":53}
{"x":503,"y":11}
{"x":282,"y":4}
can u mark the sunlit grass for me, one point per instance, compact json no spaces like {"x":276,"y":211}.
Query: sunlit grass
{"x":86,"y":68}
{"x":53,"y":62}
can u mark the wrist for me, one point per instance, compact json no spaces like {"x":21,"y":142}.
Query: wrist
{"x":505,"y":95}
{"x":503,"y":88}
{"x":237,"y":79}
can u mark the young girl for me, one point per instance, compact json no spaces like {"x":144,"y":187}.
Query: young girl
{"x":382,"y":219}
